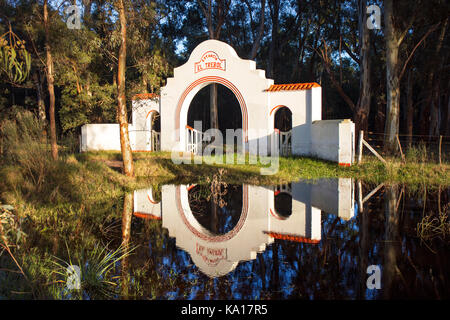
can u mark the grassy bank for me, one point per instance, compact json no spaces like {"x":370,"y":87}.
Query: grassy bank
{"x":160,"y":168}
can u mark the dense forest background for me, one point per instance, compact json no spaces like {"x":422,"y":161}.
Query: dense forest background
{"x":391,"y":80}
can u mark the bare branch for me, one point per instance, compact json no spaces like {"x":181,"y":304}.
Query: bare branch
{"x":323,"y":54}
{"x":350,"y":53}
{"x":257,"y":41}
{"x":434,"y":27}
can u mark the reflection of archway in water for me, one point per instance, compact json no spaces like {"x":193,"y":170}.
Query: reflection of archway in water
{"x":201,"y":232}
{"x":282,"y":202}
{"x":155,"y":196}
{"x":219,"y":214}
{"x":283,"y":205}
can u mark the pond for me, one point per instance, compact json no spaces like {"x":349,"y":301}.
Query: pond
{"x":323,"y":239}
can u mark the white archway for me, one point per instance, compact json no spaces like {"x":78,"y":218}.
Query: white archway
{"x":211,"y":62}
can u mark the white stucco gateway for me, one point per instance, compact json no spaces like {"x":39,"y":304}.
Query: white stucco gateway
{"x":259,"y":100}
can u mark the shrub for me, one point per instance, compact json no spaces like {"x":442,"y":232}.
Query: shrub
{"x":24,"y":146}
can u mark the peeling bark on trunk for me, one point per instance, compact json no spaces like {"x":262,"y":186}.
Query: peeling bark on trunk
{"x":40,"y":99}
{"x":363,"y":106}
{"x":257,"y":41}
{"x":214,"y":33}
{"x":434,"y":112}
{"x":87,"y":10}
{"x":125,"y":146}
{"x":50,"y":85}
{"x":409,"y":108}
{"x":274,"y":12}
{"x":213,"y":104}
{"x":427,"y":107}
{"x":392,"y":82}
{"x":446,"y":129}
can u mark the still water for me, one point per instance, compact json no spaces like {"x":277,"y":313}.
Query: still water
{"x":303,"y":240}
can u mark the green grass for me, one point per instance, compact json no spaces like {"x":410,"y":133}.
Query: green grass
{"x":160,"y":168}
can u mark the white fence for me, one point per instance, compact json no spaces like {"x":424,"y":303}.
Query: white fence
{"x":283,"y":188}
{"x":193,"y":140}
{"x":284,"y":142}
{"x":156,"y":140}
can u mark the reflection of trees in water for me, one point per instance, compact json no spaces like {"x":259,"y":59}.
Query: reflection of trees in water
{"x":216,"y":206}
{"x":335,"y":268}
{"x":156,"y":193}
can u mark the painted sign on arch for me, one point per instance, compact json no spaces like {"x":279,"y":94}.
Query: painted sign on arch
{"x":210,"y":60}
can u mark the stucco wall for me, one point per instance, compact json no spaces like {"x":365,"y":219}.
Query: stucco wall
{"x":100,"y":136}
{"x":333,"y":140}
{"x":306,"y":106}
{"x":142,"y":111}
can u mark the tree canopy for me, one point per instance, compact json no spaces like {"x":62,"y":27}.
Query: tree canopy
{"x":324,"y":41}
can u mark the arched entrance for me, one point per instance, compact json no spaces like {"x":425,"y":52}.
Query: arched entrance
{"x":155,"y":131}
{"x":229,"y":117}
{"x":153,"y":127}
{"x":282,"y":122}
{"x":185,"y":133}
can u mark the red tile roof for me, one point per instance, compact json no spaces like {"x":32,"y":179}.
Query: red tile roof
{"x":292,"y":86}
{"x":146,"y":216}
{"x":142,"y":96}
{"x":291,"y":238}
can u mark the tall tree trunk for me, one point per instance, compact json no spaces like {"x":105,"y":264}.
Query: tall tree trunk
{"x":409,"y":108}
{"x":380,"y":113}
{"x":392,"y":82}
{"x":435,"y":110}
{"x":125,"y":146}
{"x":436,"y":98}
{"x":40,"y":99}
{"x":363,"y":106}
{"x":50,"y":84}
{"x":213,"y":34}
{"x":426,"y":107}
{"x":446,"y":117}
{"x":257,"y":41}
{"x":87,"y":10}
{"x":213,"y":105}
{"x":274,"y":12}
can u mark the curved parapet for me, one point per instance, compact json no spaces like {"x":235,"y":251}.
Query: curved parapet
{"x":213,"y":61}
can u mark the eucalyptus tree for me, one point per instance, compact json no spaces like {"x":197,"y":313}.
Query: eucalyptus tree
{"x":125,"y":145}
{"x":50,"y":81}
{"x":215,"y":18}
